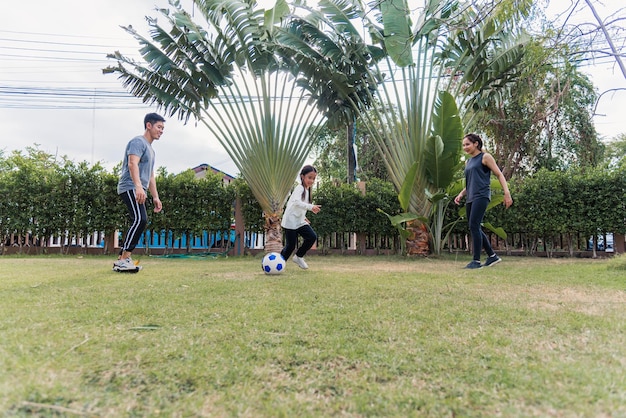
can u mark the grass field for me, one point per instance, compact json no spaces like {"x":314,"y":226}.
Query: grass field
{"x":351,"y":336}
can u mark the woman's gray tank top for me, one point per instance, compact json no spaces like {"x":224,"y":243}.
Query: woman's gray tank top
{"x":477,"y":179}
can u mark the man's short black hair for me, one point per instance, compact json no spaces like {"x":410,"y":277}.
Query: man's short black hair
{"x":152,"y":118}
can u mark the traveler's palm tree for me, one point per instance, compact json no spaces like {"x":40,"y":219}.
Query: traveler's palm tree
{"x":335,"y":67}
{"x":225,"y":75}
{"x":428,"y":71}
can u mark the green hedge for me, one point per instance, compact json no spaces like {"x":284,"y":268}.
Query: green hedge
{"x":568,"y":203}
{"x":44,"y":196}
{"x":346,"y":209}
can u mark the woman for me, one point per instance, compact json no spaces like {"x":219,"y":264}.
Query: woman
{"x":294,"y":219}
{"x":478,"y":171}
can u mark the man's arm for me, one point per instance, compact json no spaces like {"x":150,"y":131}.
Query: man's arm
{"x":155,"y":194}
{"x":133,"y":169}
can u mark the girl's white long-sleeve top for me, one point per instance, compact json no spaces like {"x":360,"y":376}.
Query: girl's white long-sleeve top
{"x":295,"y":212}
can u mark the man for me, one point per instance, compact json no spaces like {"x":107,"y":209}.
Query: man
{"x":136,"y":179}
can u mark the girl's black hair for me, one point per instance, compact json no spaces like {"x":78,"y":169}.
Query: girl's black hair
{"x":306,"y":170}
{"x":475,"y":139}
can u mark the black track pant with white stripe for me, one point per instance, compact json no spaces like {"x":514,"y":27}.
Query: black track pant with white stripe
{"x":138,"y":220}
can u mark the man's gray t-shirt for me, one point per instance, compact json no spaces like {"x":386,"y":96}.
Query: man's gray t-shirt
{"x":137,"y":146}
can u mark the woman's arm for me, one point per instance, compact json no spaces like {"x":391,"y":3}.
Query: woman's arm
{"x":460,"y":196}
{"x":490,"y":162}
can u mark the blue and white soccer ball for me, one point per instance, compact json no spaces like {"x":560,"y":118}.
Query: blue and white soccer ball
{"x":273,"y":263}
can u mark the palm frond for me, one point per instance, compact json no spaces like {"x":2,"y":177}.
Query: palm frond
{"x":229,"y":78}
{"x":470,"y":59}
{"x":443,"y":146}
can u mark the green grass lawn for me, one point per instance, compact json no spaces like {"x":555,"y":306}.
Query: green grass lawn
{"x":351,"y":336}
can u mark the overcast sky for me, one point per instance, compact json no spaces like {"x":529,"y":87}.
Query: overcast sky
{"x":49,"y":49}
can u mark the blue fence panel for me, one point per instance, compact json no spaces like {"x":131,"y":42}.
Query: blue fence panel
{"x":205,"y":241}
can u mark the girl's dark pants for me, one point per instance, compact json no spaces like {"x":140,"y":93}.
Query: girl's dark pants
{"x":291,"y":239}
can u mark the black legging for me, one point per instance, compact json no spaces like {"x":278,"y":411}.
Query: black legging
{"x":138,"y":220}
{"x":291,"y":239}
{"x":475,"y":214}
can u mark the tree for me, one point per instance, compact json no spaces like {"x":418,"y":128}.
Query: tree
{"x":27,"y":181}
{"x":230,"y":78}
{"x":414,"y":119}
{"x":334,"y":64}
{"x":591,"y":40}
{"x":424,"y":130}
{"x":331,"y":160}
{"x":578,"y":41}
{"x":615,"y":155}
{"x":545,"y":120}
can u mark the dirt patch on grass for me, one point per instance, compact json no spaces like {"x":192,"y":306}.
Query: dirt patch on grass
{"x":421,"y":265}
{"x":579,"y":299}
{"x":586,"y":301}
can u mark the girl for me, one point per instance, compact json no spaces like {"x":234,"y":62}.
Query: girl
{"x":478,"y":171}
{"x":294,"y":219}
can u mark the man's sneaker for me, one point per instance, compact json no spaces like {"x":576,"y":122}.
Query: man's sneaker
{"x":300,"y":262}
{"x":491,"y":260}
{"x":125,"y":264}
{"x":474,"y":265}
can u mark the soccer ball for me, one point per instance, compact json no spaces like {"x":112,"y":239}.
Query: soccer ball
{"x":273,"y":263}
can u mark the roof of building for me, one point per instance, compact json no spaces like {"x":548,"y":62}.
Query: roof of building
{"x":205,"y":167}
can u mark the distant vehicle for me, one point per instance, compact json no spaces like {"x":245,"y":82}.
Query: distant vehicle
{"x":601,"y":245}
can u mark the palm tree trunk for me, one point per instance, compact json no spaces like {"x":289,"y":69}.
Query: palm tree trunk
{"x":273,"y":234}
{"x":351,"y":133}
{"x":417,"y":242}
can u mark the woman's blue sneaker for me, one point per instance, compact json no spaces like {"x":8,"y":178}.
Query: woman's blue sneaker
{"x":494,"y":259}
{"x":474,"y":265}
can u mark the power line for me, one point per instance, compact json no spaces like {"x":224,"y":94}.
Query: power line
{"x":60,"y":35}
{"x":40,"y":42}
{"x":47,"y":58}
{"x":32,"y":49}
{"x":47,"y":50}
